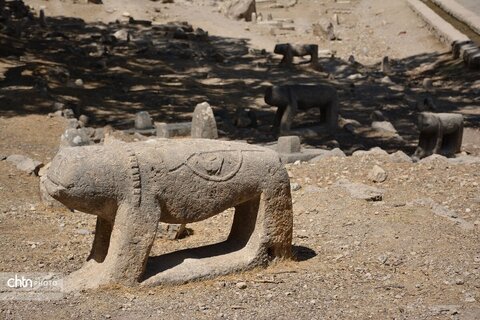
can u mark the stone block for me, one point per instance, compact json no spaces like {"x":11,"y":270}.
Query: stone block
{"x":170,"y":130}
{"x":288,"y":144}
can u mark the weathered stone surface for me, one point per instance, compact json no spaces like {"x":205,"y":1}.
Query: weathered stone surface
{"x":384,"y":126}
{"x":400,"y":157}
{"x":433,"y":158}
{"x":203,"y":122}
{"x":73,"y":124}
{"x":143,"y":121}
{"x":304,"y":155}
{"x":170,"y":130}
{"x":377,"y":174}
{"x":68,"y":113}
{"x":25,"y":163}
{"x":132,"y":187}
{"x":377,"y":151}
{"x":47,"y":200}
{"x":83,"y":120}
{"x":241,"y":9}
{"x":440,"y":133}
{"x":288,"y":144}
{"x":76,"y":137}
{"x":332,"y":153}
{"x":360,"y":191}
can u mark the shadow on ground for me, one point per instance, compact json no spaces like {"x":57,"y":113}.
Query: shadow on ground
{"x":111,"y":71}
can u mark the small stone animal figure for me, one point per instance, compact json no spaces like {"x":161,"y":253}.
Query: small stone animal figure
{"x":131,"y":187}
{"x":290,"y":98}
{"x":296,"y":50}
{"x":440,"y":133}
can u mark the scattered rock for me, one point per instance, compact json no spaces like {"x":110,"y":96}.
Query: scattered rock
{"x":400,"y":157}
{"x":73,"y":124}
{"x":79,"y":83}
{"x":295,"y":186}
{"x":377,"y":151}
{"x":384,"y":126}
{"x":377,"y":115}
{"x":122,"y":35}
{"x":349,"y":124}
{"x":203,"y":122}
{"x":427,"y":84}
{"x":76,"y":137}
{"x":360,"y":191}
{"x":83,"y":120}
{"x":332,"y":153}
{"x":58,"y":106}
{"x":433,"y":158}
{"x":83,"y":232}
{"x":377,"y":174}
{"x":25,"y":163}
{"x":68,"y":113}
{"x":241,"y":285}
{"x":386,"y":80}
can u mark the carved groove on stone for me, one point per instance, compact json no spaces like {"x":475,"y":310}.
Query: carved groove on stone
{"x":205,"y":176}
{"x":230,"y":175}
{"x":134,"y":173}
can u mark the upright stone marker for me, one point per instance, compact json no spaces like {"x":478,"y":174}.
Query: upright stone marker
{"x":143,"y":121}
{"x":203,"y":122}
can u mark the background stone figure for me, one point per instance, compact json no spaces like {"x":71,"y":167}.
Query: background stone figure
{"x":290,"y":51}
{"x":440,"y":133}
{"x":133,"y":186}
{"x":290,"y":98}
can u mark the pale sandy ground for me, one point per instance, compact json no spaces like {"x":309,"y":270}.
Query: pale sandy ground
{"x":369,"y":29}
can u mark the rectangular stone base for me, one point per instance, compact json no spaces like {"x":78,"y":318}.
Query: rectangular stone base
{"x":170,"y":130}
